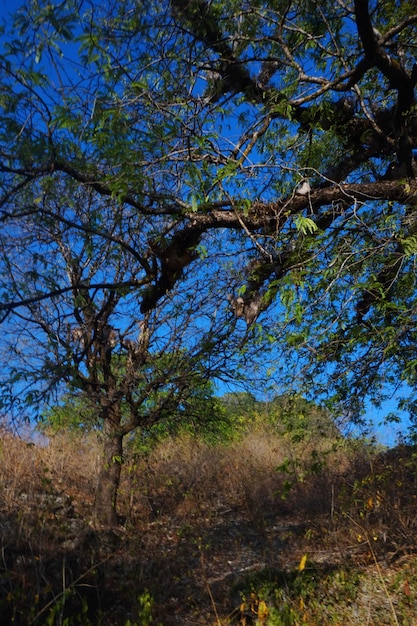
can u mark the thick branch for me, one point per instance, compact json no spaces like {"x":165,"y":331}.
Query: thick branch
{"x":269,"y":216}
{"x":397,"y":77}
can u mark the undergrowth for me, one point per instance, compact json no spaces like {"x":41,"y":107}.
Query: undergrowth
{"x":258,"y":529}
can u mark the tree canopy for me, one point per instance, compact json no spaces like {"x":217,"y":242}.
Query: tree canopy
{"x":211,"y":173}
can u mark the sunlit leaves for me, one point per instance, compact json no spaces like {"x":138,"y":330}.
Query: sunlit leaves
{"x":305,"y":225}
{"x":208,"y":115}
{"x":410,"y":245}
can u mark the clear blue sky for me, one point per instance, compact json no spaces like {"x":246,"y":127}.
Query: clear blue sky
{"x":9,"y":6}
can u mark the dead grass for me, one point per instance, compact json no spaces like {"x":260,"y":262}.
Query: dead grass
{"x":61,"y":464}
{"x":205,"y":524}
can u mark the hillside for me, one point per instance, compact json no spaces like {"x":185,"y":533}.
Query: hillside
{"x":213,"y":534}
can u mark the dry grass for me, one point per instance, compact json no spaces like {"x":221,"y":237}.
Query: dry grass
{"x":62,"y":463}
{"x":205,"y":524}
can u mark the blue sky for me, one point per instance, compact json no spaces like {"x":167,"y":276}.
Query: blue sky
{"x":386,"y":434}
{"x":9,"y":6}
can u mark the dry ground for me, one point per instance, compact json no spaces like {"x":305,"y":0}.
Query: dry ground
{"x":214,"y":534}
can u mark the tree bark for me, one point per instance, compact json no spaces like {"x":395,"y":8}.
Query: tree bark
{"x":105,"y":506}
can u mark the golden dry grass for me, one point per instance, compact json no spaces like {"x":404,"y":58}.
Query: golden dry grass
{"x":205,"y":523}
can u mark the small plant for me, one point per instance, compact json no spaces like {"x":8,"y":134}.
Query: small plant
{"x":252,"y":609}
{"x":308,"y":594}
{"x":146,"y":603}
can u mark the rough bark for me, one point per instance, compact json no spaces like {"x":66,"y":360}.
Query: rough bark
{"x":105,"y":512}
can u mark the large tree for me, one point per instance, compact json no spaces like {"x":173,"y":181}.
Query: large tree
{"x":268,"y":146}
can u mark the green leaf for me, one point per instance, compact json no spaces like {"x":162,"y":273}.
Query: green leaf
{"x":409,"y":245}
{"x":194,"y":204}
{"x":305,"y":225}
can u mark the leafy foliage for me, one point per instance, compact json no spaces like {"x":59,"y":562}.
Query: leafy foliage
{"x":207,"y":181}
{"x":201,"y":414}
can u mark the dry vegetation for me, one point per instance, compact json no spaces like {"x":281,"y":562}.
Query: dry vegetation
{"x":214,"y":534}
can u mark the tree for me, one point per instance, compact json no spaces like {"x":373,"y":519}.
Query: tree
{"x":201,"y":414}
{"x":265,"y":146}
{"x":286,"y":414}
{"x":79,"y":333}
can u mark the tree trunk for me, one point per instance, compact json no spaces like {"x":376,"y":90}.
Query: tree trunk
{"x":109,"y":475}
